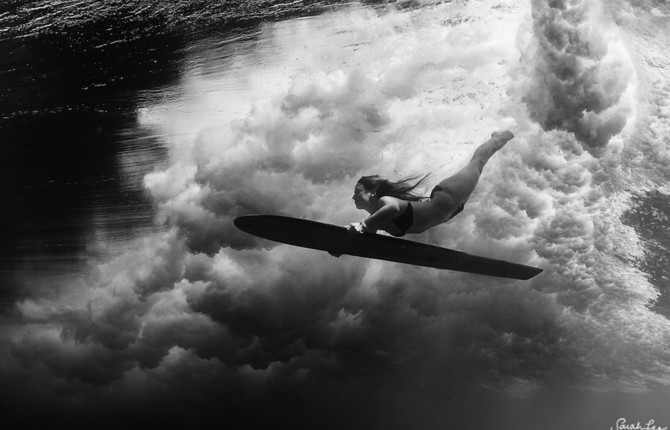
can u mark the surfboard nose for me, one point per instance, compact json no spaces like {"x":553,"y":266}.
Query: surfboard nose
{"x":246,"y":223}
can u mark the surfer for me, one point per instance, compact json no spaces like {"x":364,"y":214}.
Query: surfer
{"x":395,"y":208}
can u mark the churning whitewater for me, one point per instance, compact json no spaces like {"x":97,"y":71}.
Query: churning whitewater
{"x":284,"y":121}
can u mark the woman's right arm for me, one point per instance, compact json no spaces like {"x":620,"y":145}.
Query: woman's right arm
{"x":389,"y":209}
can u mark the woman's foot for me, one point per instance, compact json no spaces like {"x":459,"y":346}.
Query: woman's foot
{"x":487,"y":149}
{"x":505,"y":135}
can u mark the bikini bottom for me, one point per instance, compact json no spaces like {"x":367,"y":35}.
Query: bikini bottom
{"x":458,"y":210}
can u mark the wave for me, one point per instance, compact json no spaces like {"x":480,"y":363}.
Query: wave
{"x":283,"y":122}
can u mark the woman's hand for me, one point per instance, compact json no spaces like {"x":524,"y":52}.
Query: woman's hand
{"x":357,"y":227}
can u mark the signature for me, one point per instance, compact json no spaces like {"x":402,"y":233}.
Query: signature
{"x":621,"y":424}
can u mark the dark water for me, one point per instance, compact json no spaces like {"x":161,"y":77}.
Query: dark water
{"x":67,"y":107}
{"x":72,"y":75}
{"x":649,"y":216}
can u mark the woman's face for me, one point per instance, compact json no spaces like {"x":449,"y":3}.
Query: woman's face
{"x":363,"y":198}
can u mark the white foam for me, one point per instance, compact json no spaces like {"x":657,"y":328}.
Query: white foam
{"x":286,"y":125}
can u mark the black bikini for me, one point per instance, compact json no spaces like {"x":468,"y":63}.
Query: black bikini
{"x":458,"y":210}
{"x":405,"y":220}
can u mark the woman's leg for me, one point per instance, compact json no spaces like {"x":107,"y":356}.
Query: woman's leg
{"x":460,"y":185}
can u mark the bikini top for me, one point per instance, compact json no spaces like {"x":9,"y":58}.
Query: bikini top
{"x":404,"y":221}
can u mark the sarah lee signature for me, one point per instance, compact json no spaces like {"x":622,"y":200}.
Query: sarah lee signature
{"x":621,"y":424}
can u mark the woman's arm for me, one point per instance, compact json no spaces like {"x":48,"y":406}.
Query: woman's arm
{"x":389,"y":208}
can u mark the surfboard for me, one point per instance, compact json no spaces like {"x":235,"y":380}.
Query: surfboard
{"x":336,"y":240}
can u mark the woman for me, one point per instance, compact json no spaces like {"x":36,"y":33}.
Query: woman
{"x":396,"y":209}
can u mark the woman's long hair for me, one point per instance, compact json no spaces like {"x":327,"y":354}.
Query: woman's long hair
{"x":401,"y":189}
